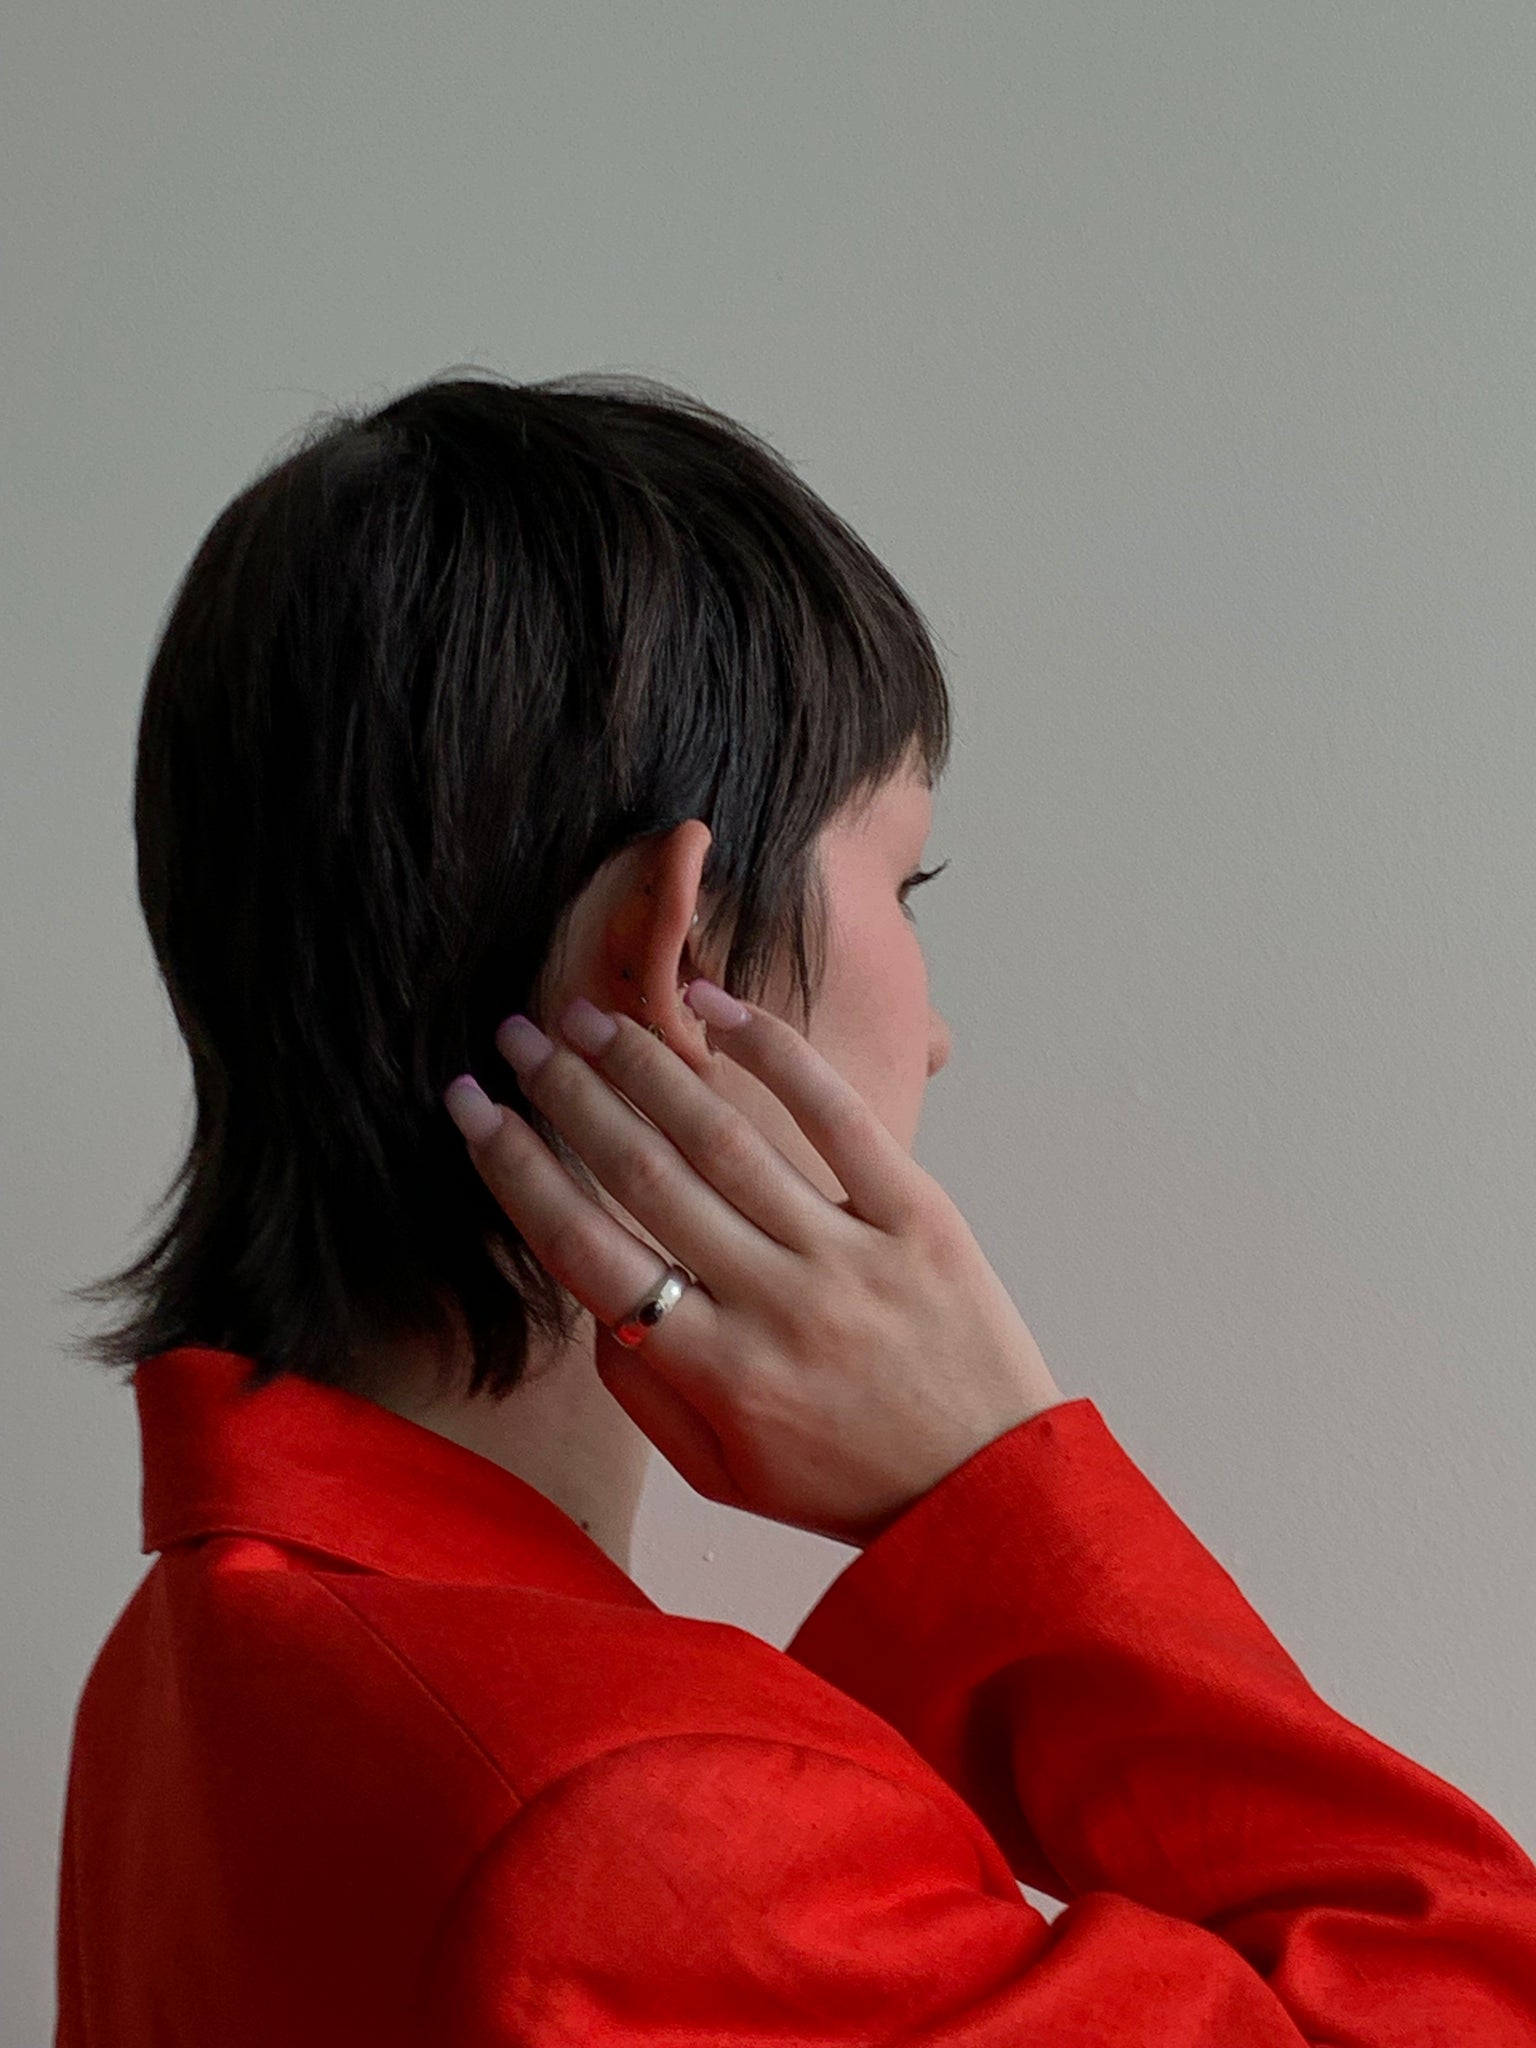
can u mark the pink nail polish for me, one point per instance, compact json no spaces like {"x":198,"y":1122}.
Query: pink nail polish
{"x":522,"y":1045}
{"x":585,"y":1025}
{"x":707,"y":1000}
{"x":477,"y":1117}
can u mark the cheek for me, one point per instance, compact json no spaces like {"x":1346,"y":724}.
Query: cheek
{"x":884,"y":982}
{"x":873,"y":1021}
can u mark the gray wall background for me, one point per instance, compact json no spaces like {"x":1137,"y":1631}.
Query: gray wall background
{"x":1179,"y":359}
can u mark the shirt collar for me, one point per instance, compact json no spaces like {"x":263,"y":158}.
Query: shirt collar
{"x":330,"y":1471}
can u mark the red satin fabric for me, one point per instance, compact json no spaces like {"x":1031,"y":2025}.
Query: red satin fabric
{"x":385,"y":1750}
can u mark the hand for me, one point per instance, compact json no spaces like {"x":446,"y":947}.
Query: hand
{"x":834,"y":1361}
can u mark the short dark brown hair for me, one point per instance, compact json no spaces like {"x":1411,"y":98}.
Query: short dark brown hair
{"x":422,"y":678}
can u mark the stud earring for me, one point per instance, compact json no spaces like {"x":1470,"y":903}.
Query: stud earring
{"x":645,"y":1003}
{"x":644,"y":1000}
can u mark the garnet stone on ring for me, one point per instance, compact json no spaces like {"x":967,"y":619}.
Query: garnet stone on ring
{"x":649,"y":1310}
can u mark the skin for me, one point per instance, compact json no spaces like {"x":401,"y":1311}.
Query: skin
{"x":631,"y":933}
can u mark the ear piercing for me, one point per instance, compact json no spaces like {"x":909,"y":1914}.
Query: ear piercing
{"x":682,"y":989}
{"x":655,"y":1029}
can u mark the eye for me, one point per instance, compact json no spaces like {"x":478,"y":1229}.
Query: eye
{"x":915,"y":881}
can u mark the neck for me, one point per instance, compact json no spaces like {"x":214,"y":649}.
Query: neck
{"x":559,"y":1429}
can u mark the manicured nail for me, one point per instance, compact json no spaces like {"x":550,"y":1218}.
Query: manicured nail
{"x":522,"y":1045}
{"x":712,"y":1003}
{"x":585,"y":1025}
{"x":472,"y":1109}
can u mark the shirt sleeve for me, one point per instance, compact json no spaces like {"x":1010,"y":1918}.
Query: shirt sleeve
{"x":1241,"y":1864}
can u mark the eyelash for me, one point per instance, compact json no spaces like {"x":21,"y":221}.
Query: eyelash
{"x":914,"y":881}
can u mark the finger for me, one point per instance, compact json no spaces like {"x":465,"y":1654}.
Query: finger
{"x":668,"y":1418}
{"x":885,"y":1184}
{"x":716,"y":1138}
{"x":646,"y":1172}
{"x":605,"y":1266}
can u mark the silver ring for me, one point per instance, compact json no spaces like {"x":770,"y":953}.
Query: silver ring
{"x":648,"y":1311}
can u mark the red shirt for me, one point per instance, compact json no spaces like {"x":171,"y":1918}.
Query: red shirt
{"x":385,"y":1750}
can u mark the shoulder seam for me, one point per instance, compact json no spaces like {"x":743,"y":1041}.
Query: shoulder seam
{"x":398,"y":1657}
{"x":493,"y":1847}
{"x":817,"y":1750}
{"x":526,"y":1801}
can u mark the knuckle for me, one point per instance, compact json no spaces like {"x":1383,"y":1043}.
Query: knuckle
{"x":647,"y":1171}
{"x":907,"y":1214}
{"x":948,"y":1244}
{"x":734,"y":1144}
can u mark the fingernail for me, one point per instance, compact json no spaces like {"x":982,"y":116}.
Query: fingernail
{"x":712,"y":1003}
{"x":522,"y":1044}
{"x":584,"y":1024}
{"x":472,"y":1109}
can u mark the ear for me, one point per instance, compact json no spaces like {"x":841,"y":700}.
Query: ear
{"x":652,"y":936}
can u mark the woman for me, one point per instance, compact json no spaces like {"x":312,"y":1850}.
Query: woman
{"x":570,"y":701}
